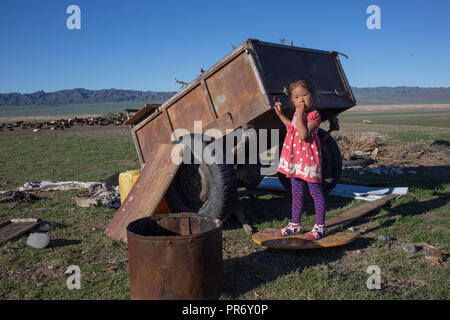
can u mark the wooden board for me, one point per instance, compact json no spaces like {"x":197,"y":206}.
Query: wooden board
{"x":141,"y":114}
{"x":10,"y":229}
{"x":148,"y":191}
{"x":269,"y":238}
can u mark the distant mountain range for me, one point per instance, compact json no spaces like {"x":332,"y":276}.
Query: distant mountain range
{"x":376,"y":95}
{"x":401,"y":95}
{"x":75,"y":96}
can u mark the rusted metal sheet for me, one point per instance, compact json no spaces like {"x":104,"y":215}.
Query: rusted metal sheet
{"x":175,"y":256}
{"x":193,"y":107}
{"x":148,"y":190}
{"x":155,"y":132}
{"x":234,"y":87}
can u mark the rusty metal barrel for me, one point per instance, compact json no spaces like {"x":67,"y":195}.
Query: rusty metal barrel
{"x":175,"y":257}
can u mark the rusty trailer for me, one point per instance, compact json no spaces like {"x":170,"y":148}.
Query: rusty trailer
{"x":238,"y":92}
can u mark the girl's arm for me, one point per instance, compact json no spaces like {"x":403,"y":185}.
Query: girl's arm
{"x":304,"y":130}
{"x":280,"y":114}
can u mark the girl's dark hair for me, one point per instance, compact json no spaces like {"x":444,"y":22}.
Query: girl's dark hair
{"x":305,"y":83}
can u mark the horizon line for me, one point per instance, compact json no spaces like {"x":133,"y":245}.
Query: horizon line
{"x":169,"y":91}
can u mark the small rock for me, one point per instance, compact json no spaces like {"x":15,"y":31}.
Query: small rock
{"x":38,"y":240}
{"x":383,"y":238}
{"x":351,"y":229}
{"x":358,"y":251}
{"x":44,"y":227}
{"x":409,"y":247}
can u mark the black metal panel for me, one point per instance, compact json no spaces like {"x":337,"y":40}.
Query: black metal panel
{"x":281,"y":64}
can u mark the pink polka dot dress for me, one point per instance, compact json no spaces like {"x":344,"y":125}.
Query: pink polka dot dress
{"x":302,"y":158}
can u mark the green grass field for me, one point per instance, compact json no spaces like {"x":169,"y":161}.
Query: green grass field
{"x":249,"y":271}
{"x":433,"y":118}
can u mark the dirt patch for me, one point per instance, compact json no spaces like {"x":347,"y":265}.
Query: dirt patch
{"x":376,"y":146}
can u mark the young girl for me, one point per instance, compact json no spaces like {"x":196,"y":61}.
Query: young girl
{"x":300,"y":157}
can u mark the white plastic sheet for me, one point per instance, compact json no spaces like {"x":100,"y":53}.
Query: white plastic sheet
{"x":343,"y":190}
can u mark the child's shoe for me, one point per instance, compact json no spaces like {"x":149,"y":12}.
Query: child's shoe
{"x":292,"y":228}
{"x":318,"y":232}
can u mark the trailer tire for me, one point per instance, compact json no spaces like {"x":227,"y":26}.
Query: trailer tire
{"x":206,"y":189}
{"x":331,"y":164}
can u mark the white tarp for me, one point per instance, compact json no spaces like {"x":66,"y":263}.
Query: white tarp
{"x":365,"y":193}
{"x":343,"y":190}
{"x":50,"y":185}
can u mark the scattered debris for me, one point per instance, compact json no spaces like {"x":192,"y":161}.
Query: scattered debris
{"x":382,"y":170}
{"x":409,"y":247}
{"x":384,"y":238}
{"x":358,"y":160}
{"x":101,"y":195}
{"x":51,"y":185}
{"x":240,"y":216}
{"x":38,"y":240}
{"x":61,"y":124}
{"x":436,"y":256}
{"x":366,"y":144}
{"x":18,"y":197}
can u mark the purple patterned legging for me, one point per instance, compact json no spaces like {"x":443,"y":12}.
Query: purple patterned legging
{"x":298,"y":192}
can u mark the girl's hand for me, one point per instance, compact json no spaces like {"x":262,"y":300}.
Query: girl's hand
{"x":300,"y":109}
{"x":278,"y":109}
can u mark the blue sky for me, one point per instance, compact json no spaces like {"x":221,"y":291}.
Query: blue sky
{"x":144,"y":45}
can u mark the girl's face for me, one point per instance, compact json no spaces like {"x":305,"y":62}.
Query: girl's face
{"x":300,"y":95}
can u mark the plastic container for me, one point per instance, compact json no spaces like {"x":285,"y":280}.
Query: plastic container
{"x":126,"y":182}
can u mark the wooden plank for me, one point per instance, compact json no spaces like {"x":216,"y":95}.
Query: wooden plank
{"x":353,"y":214}
{"x":141,"y":114}
{"x":11,"y":230}
{"x":148,"y":191}
{"x":269,"y":238}
{"x":301,"y":243}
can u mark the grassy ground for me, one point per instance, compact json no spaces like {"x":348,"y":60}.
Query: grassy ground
{"x":431,"y":118}
{"x":249,"y":271}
